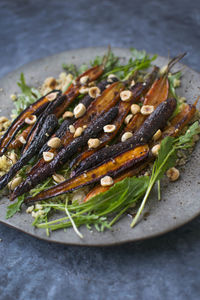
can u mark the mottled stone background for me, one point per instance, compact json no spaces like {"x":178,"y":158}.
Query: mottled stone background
{"x":162,"y":268}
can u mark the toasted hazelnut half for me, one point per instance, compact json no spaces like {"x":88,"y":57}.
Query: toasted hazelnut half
{"x":93,"y":143}
{"x":83,"y":90}
{"x":127,"y":135}
{"x":3,"y":119}
{"x":94,"y":92}
{"x":13,"y":157}
{"x":14,"y":183}
{"x":135,"y":108}
{"x":109,"y":128}
{"x":126,"y":95}
{"x":155,"y":149}
{"x":107,"y":181}
{"x":54,"y":142}
{"x":22,"y":140}
{"x":84,"y":79}
{"x":128,"y":118}
{"x":173,"y":174}
{"x":78,"y":131}
{"x":67,"y":114}
{"x":132,"y":83}
{"x":31,"y":120}
{"x":79,"y":110}
{"x":58,"y":178}
{"x":157,"y":135}
{"x":48,"y":156}
{"x":147,"y":109}
{"x":72,"y":129}
{"x":52,"y":96}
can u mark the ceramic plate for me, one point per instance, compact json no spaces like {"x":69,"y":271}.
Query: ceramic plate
{"x":180,"y":200}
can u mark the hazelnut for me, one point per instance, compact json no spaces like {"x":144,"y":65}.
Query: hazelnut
{"x":58,"y":178}
{"x":78,"y":132}
{"x":127,"y":135}
{"x":50,"y":82}
{"x":157,"y":135}
{"x":84,"y":79}
{"x":128,"y":118}
{"x":109,"y":128}
{"x":68,"y":114}
{"x":147,"y":109}
{"x":155,"y":149}
{"x":54,"y":142}
{"x":31,"y":120}
{"x":173,"y":174}
{"x":83,"y":90}
{"x":22,"y":140}
{"x":132,"y":83}
{"x":94,"y":92}
{"x":14,"y":183}
{"x":93,"y":143}
{"x":48,"y":156}
{"x":13,"y":157}
{"x":52,"y":96}
{"x":79,"y":110}
{"x":126,"y":95}
{"x":135,"y":108}
{"x":72,"y":129}
{"x":107,"y":181}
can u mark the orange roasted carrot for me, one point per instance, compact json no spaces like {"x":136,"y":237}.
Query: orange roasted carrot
{"x":112,"y":167}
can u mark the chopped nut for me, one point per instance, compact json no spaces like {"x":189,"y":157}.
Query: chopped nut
{"x":78,"y":196}
{"x":3,"y":119}
{"x":173,"y":174}
{"x":155,"y":149}
{"x":107,"y":181}
{"x":79,"y":110}
{"x":78,"y":131}
{"x":30,"y":209}
{"x":128,"y":118}
{"x":38,"y":206}
{"x":68,"y":114}
{"x":84,"y":126}
{"x":132,"y":83}
{"x":126,"y":95}
{"x":58,"y":178}
{"x":22,"y":140}
{"x":34,"y":214}
{"x":92,"y":83}
{"x":147,"y":109}
{"x":48,"y":156}
{"x":52,"y":96}
{"x":109,"y":128}
{"x":157,"y":135}
{"x":54,"y":142}
{"x":72,"y":129}
{"x":111,"y":77}
{"x":83,"y":90}
{"x":127,"y":135}
{"x":84,"y":79}
{"x":13,"y":157}
{"x":31,"y":120}
{"x":93,"y":143}
{"x":94,"y":92}
{"x":13,"y":97}
{"x":50,"y":82}
{"x":135,"y":108}
{"x":14,"y":183}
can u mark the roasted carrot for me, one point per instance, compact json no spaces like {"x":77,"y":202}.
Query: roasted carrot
{"x":111,"y":167}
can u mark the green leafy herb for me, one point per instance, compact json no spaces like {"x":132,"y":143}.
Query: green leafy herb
{"x":27,"y":96}
{"x":14,"y":208}
{"x":166,"y":159}
{"x":173,"y":80}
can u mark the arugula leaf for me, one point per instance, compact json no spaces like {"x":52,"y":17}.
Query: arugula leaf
{"x":27,"y":96}
{"x":138,"y":54}
{"x":166,"y":159}
{"x":14,"y":208}
{"x":173,"y":79}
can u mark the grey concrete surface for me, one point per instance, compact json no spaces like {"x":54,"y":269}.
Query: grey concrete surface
{"x":167,"y":267}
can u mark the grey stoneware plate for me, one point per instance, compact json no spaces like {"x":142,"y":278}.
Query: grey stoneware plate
{"x":180,"y":200}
